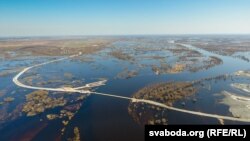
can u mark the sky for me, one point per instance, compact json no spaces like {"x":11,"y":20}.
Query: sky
{"x":123,"y":17}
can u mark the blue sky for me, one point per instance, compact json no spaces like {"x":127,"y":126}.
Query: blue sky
{"x":112,"y":17}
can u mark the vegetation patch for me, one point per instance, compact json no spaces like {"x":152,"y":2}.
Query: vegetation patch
{"x":76,"y":135}
{"x":166,"y":93}
{"x":38,"y":101}
{"x":121,"y":55}
{"x":126,"y":74}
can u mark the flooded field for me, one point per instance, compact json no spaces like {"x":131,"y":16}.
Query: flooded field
{"x":192,"y":74}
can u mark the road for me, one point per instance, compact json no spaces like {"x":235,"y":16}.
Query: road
{"x":99,"y":83}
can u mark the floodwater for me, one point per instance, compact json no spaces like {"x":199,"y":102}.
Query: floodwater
{"x":103,"y":118}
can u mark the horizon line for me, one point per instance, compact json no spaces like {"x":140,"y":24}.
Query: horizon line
{"x":103,"y":35}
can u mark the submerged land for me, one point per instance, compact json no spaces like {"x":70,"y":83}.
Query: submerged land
{"x":200,"y":73}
